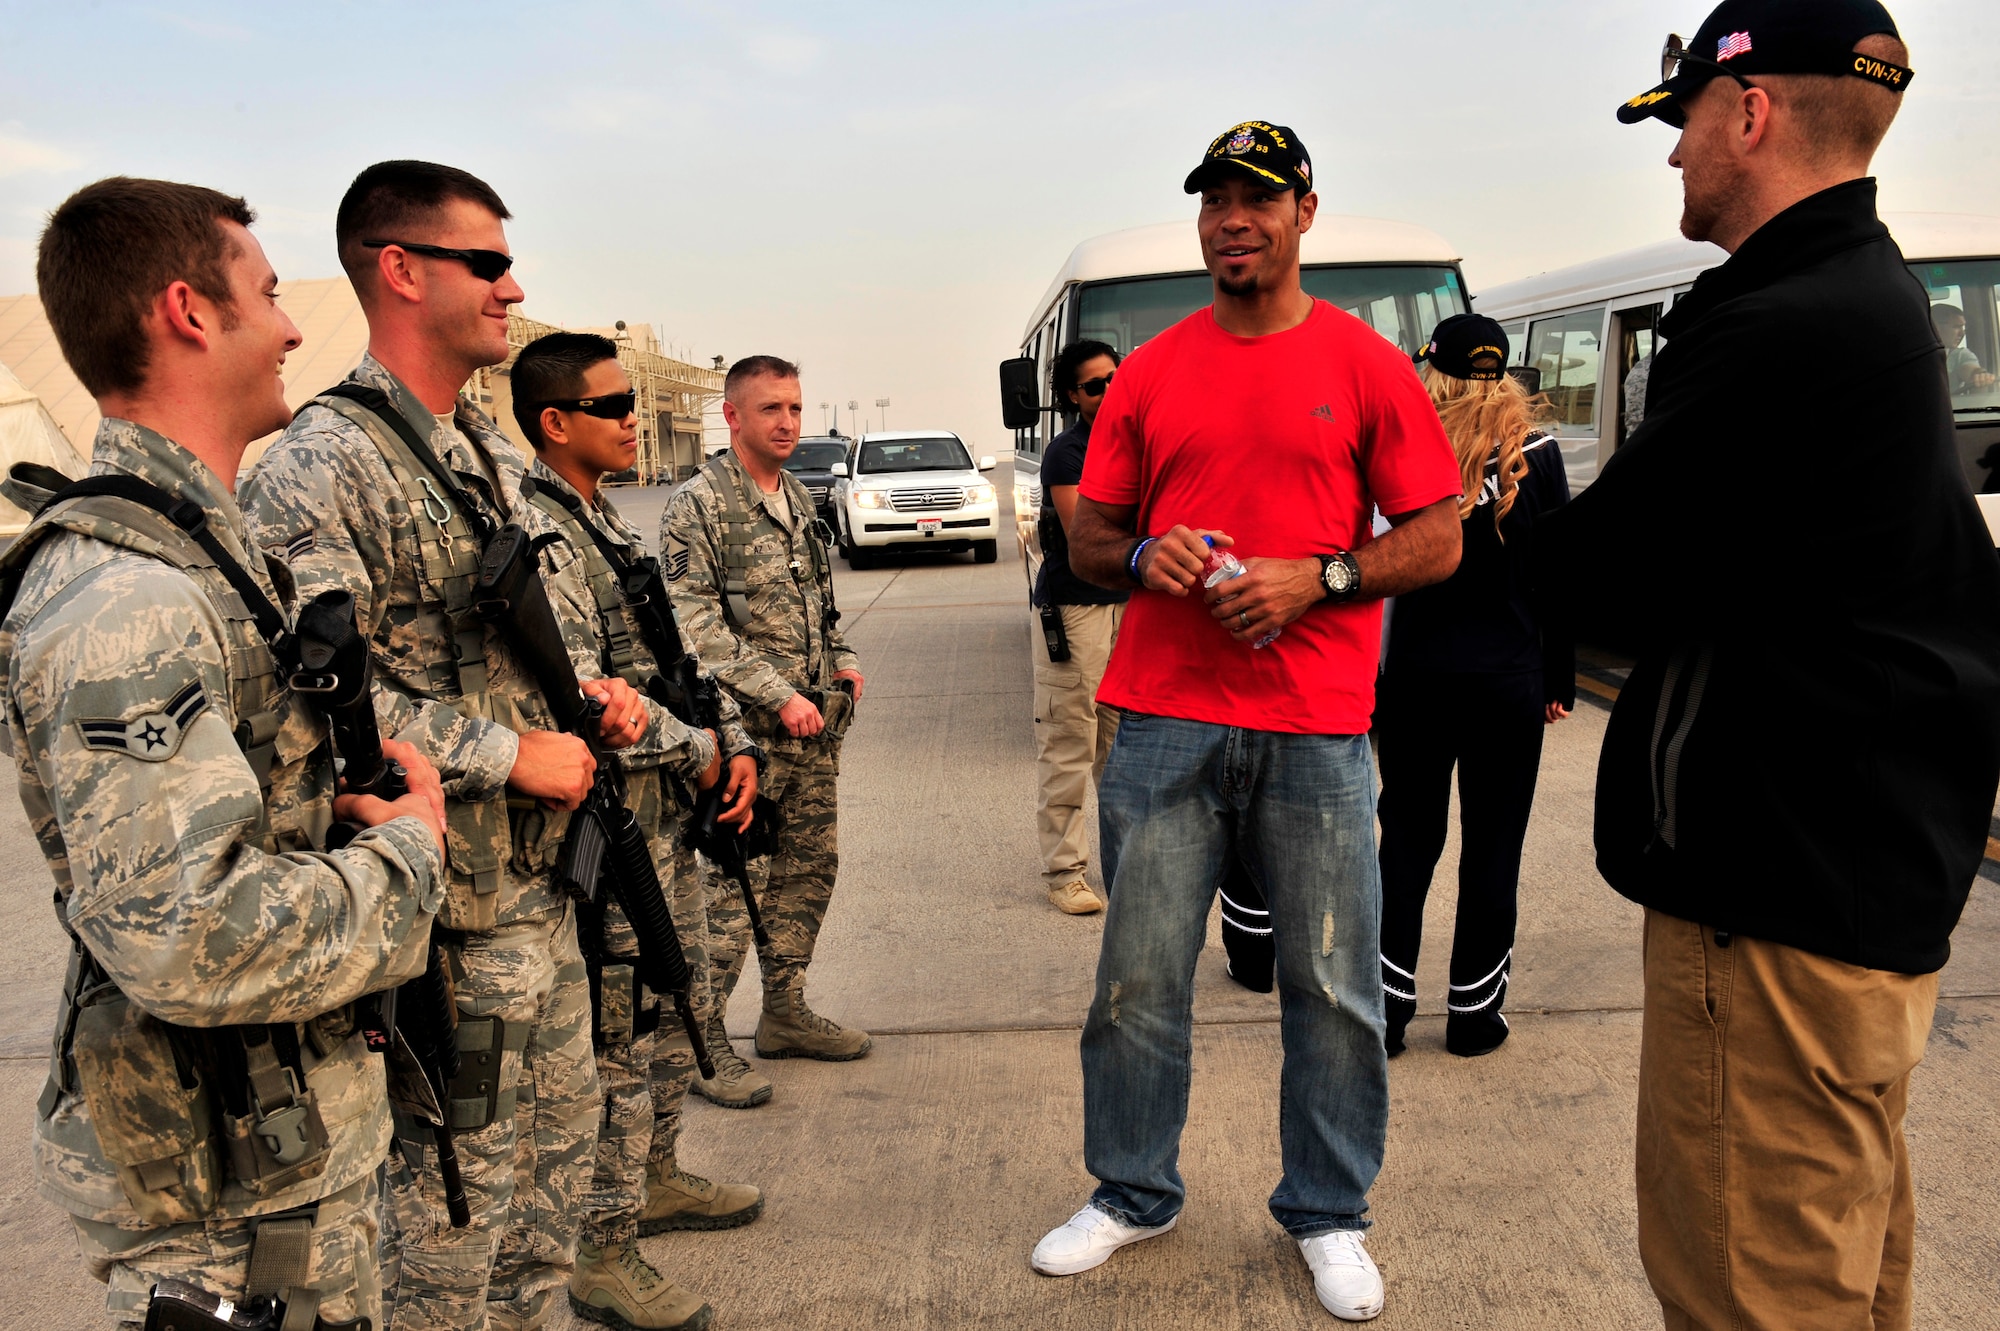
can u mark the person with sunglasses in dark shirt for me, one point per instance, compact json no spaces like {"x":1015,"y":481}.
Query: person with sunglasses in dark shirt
{"x":1079,"y":622}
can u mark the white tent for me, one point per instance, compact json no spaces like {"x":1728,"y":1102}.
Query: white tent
{"x":29,"y":434}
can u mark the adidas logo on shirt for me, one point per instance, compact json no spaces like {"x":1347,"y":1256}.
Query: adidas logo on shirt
{"x":1323,"y":413}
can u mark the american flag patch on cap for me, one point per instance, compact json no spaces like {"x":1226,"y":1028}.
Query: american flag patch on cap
{"x":1735,"y":44}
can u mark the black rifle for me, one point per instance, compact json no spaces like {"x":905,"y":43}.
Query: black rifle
{"x":179,"y":1306}
{"x":695,"y":700}
{"x":335,"y":670}
{"x":604,"y":845}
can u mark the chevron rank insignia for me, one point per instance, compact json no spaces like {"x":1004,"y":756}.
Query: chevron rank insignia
{"x":675,"y":565}
{"x":156,"y":736}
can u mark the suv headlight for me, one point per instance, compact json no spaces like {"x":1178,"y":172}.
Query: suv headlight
{"x":978,"y":494}
{"x":869,"y":499}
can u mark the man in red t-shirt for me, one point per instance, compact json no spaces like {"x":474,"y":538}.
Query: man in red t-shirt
{"x":1274,"y":425}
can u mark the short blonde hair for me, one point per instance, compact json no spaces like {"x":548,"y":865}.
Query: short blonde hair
{"x":1841,"y":118}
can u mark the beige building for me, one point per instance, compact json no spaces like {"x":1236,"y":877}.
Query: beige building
{"x":673,"y":395}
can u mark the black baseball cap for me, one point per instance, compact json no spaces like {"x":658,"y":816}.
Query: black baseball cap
{"x":1744,"y":37}
{"x":1459,"y":343}
{"x":1271,"y":154}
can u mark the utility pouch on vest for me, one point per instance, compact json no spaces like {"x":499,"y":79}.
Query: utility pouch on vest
{"x":836,"y":706}
{"x":621,"y":1008}
{"x":279,"y":1139}
{"x":481,"y":1093}
{"x":149,"y":1103}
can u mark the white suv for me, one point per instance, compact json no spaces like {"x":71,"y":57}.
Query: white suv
{"x":914,"y":490}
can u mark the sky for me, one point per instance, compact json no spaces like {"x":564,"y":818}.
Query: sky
{"x":882,"y":191}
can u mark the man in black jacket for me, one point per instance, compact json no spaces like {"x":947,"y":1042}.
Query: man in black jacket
{"x":1797,"y":781}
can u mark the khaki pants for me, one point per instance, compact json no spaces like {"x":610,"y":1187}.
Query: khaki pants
{"x":1073,"y":735}
{"x":1774,"y":1181}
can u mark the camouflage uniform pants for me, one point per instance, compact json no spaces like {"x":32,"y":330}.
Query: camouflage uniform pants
{"x":526,"y":1172}
{"x":214,"y":1256}
{"x":646,"y":1078}
{"x":794,"y":883}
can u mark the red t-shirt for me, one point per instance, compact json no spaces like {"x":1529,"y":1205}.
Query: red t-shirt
{"x":1287,"y":443}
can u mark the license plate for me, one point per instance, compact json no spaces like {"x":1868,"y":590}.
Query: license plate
{"x":930,"y":526}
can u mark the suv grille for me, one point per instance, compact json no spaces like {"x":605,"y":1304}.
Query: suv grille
{"x":818,"y":493}
{"x":926,"y":501}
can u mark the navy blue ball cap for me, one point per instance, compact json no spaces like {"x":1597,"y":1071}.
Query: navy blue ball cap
{"x":1466,"y":346}
{"x":1745,"y":37}
{"x":1269,"y":154}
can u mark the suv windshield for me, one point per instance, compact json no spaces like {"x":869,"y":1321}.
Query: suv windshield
{"x":1966,"y":316}
{"x":1402,"y":302}
{"x":940,"y":454}
{"x":815,"y":455}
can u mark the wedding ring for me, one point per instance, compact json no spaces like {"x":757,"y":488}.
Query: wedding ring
{"x":1243,"y":618}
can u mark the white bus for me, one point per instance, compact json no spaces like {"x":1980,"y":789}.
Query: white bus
{"x":1586,"y":333}
{"x":1124,"y":287}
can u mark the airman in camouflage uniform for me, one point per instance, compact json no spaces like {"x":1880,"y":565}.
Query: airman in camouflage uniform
{"x":752,"y":586}
{"x":179,"y":789}
{"x":329,"y":494}
{"x":645,"y":1066}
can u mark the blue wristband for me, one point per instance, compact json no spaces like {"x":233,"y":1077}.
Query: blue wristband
{"x":1132,"y":564}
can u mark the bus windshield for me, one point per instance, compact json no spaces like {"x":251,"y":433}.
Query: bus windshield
{"x":1966,"y":316}
{"x":1402,"y":302}
{"x":940,"y":454}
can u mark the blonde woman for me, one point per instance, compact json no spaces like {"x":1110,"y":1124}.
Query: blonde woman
{"x":1472,"y":676}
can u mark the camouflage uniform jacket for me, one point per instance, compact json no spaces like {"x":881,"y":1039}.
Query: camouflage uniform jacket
{"x":788,"y":644}
{"x":194,"y":885}
{"x":584,"y":591}
{"x":327,"y":499}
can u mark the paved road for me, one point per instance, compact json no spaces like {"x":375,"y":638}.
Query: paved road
{"x":906,"y":1190}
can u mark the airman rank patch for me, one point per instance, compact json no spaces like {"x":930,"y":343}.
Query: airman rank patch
{"x":301,"y":545}
{"x":675,"y":566}
{"x":156,"y":736}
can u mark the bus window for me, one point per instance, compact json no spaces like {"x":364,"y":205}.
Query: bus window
{"x":1517,"y":341}
{"x":1565,"y":349}
{"x":1636,"y":331}
{"x":1966,"y":316}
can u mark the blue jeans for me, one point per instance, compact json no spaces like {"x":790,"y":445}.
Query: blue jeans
{"x":1179,"y":798}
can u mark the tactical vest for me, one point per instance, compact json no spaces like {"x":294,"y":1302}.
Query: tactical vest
{"x":483,"y":834}
{"x":621,"y":649}
{"x":739,"y":533}
{"x":150,"y":1086}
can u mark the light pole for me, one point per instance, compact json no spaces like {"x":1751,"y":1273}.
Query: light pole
{"x":822,"y":417}
{"x":854,"y":414}
{"x":883,"y":403}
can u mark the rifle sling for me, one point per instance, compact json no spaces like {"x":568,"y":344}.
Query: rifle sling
{"x":191,"y":518}
{"x":376,"y":401}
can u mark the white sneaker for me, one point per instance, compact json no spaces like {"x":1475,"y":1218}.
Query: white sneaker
{"x":1344,"y":1277}
{"x":1089,"y":1237}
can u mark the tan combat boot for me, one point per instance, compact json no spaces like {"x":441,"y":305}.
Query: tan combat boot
{"x":676,"y":1199}
{"x":736,"y":1085}
{"x":1074,"y":898}
{"x":790,"y":1029}
{"x":620,"y":1288}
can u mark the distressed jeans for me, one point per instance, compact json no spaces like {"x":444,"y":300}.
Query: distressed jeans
{"x":1178,"y":801}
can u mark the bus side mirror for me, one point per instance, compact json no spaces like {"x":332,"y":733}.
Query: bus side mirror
{"x":1020,"y":394}
{"x":1528,"y":376}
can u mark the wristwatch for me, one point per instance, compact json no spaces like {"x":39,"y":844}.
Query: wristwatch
{"x":1340,"y":575}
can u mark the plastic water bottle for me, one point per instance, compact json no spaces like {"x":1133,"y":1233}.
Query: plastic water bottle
{"x":1222,"y":567}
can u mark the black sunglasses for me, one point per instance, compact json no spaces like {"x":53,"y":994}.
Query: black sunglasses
{"x":1096,"y":387}
{"x":486,"y":265}
{"x":1674,"y":54}
{"x":610,"y":407}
